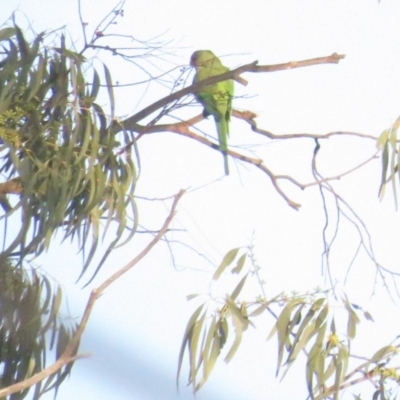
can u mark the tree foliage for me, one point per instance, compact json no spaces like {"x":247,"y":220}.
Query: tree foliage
{"x":61,"y":159}
{"x":30,"y":326}
{"x":313,"y":325}
{"x":62,"y":156}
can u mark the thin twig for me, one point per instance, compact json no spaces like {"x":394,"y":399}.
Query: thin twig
{"x":144,"y":252}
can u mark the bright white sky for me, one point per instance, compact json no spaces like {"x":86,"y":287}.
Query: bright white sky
{"x":136,"y":329}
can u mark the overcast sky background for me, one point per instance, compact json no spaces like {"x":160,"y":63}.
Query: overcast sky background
{"x":137,"y":325}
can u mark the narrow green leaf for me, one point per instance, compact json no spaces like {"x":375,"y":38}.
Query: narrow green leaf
{"x":396,"y":124}
{"x":46,"y":289}
{"x":238,"y":313}
{"x":37,"y":78}
{"x":353,"y":319}
{"x":215,"y":350}
{"x":382,"y":353}
{"x":239,"y":264}
{"x":393,"y":161}
{"x":207,"y":348}
{"x":321,"y":318}
{"x":56,"y":302}
{"x":313,"y":363}
{"x":78,"y":58}
{"x":259,"y":310}
{"x":368,"y":316}
{"x":238,"y":338}
{"x":86,"y":121}
{"x":193,"y":345}
{"x":185,"y":340}
{"x":330,"y":370}
{"x":282,"y":328}
{"x":110,"y":90}
{"x":300,"y":330}
{"x":344,"y":359}
{"x":385,"y":164}
{"x":351,"y":326}
{"x":308,"y":333}
{"x":383,"y":138}
{"x":95,"y":85}
{"x":283,"y":318}
{"x":223,"y":331}
{"x":338,"y":378}
{"x":226,"y":261}
{"x":31,"y":367}
{"x":238,"y":288}
{"x":23,"y":45}
{"x":6,"y":33}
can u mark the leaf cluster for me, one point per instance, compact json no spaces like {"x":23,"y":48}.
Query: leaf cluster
{"x":214,"y":329}
{"x":56,"y":142}
{"x":388,"y":144}
{"x":306,"y":325}
{"x":30,"y":326}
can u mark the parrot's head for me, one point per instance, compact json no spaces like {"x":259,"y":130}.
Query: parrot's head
{"x":202,"y":58}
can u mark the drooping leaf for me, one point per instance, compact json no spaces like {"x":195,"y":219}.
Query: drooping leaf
{"x":238,"y":288}
{"x":382,"y":353}
{"x":238,"y":338}
{"x":28,"y":323}
{"x":186,"y":339}
{"x":63,"y":154}
{"x":283,"y":324}
{"x":353,"y":319}
{"x":239,"y":264}
{"x":6,"y":33}
{"x":206,"y":351}
{"x":193,"y":345}
{"x":259,"y":310}
{"x":226,"y":261}
{"x":110,"y":90}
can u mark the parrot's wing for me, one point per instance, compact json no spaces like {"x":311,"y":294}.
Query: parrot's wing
{"x":219,"y":106}
{"x":216,"y":104}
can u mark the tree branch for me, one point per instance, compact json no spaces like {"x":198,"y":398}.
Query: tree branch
{"x":69,"y":355}
{"x":27,"y":383}
{"x":182,"y":128}
{"x":13,"y":186}
{"x":130,"y":122}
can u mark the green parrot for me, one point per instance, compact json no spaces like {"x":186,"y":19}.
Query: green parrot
{"x":217,"y":98}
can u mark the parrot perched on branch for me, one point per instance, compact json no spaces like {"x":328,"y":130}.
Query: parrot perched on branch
{"x":216,"y":98}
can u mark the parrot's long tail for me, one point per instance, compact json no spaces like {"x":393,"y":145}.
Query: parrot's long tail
{"x":223,"y":132}
{"x":226,"y":166}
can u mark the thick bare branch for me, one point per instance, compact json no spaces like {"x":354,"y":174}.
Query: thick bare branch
{"x":131,"y":122}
